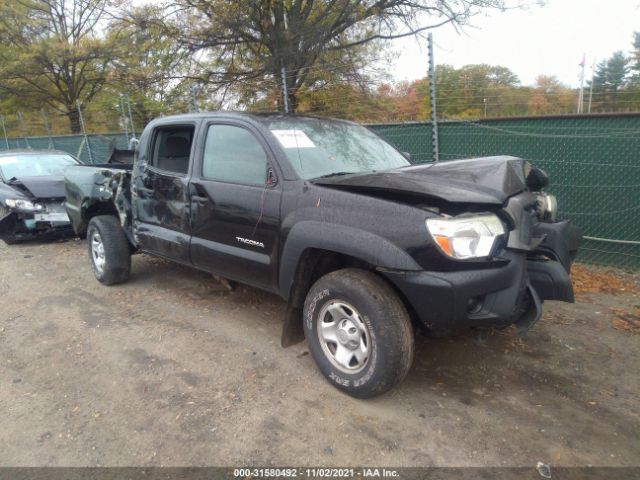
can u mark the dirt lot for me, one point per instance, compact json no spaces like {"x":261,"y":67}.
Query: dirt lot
{"x":171,"y":369}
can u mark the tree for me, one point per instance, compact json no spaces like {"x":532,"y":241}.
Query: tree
{"x":474,"y":91}
{"x":550,"y":96}
{"x":609,"y":81}
{"x":250,"y":40}
{"x":635,"y":60}
{"x":51,"y":55}
{"x":150,"y":66}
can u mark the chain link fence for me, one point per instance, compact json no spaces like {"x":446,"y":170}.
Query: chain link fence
{"x":593,"y":161}
{"x":92,"y":149}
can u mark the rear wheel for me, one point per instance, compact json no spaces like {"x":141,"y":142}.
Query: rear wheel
{"x":12,"y":240}
{"x":109,"y":252}
{"x":359,"y":332}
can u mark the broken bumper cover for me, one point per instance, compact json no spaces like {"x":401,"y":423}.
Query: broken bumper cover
{"x":25,"y":225}
{"x":511,"y":293}
{"x":449,"y":301}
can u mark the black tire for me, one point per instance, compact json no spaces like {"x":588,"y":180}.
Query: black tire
{"x":370,"y":300}
{"x":116,"y":265}
{"x":4,"y":211}
{"x":12,"y":240}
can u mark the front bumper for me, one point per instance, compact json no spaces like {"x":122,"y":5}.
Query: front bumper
{"x":510,"y":293}
{"x":25,"y":225}
{"x":449,"y":301}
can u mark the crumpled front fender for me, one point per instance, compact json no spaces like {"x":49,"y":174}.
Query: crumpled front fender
{"x":549,"y":265}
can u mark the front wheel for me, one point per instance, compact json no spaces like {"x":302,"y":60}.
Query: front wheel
{"x":109,"y":252}
{"x":359,"y":332}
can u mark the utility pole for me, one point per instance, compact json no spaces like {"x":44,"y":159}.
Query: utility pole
{"x":4,"y":130}
{"x":285,"y":90}
{"x":84,"y":131}
{"x":432,"y":90}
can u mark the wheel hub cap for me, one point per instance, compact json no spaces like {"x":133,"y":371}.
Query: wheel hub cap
{"x":348,"y":334}
{"x":97,"y":251}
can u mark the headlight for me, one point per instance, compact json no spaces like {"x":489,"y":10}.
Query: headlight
{"x":23,"y":205}
{"x":547,"y":207}
{"x":466,"y":237}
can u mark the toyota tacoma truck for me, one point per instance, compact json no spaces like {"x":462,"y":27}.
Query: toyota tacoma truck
{"x":365,"y":247}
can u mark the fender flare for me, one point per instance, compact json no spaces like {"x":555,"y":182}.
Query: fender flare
{"x":343,"y":239}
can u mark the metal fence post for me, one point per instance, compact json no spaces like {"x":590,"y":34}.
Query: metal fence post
{"x":432,"y":90}
{"x":23,"y":128}
{"x":194,"y":99}
{"x":285,"y":90}
{"x":84,"y":132}
{"x":46,"y":126}
{"x":123,"y":118}
{"x":133,"y":130}
{"x":4,"y":130}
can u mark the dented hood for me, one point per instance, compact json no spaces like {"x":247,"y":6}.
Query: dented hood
{"x":487,"y":180}
{"x":39,"y":187}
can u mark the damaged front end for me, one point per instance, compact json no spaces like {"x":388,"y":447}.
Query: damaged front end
{"x":491,"y":265}
{"x":549,"y":247}
{"x":24,"y":215}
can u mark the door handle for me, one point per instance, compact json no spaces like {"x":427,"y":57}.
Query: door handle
{"x":198,"y":193}
{"x":199,"y":199}
{"x":146,"y":190}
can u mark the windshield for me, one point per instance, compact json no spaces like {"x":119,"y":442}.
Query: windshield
{"x":35,"y":165}
{"x":317,"y":147}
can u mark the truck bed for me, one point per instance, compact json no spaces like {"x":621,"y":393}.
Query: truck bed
{"x":97,"y":187}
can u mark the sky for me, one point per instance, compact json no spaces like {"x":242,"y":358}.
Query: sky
{"x":549,"y":39}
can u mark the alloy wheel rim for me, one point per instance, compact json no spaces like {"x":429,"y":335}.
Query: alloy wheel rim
{"x":344,"y":336}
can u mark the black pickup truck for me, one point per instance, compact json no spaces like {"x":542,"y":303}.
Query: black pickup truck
{"x":364,"y":246}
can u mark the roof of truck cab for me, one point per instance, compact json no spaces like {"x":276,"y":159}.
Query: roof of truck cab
{"x":257,"y":116}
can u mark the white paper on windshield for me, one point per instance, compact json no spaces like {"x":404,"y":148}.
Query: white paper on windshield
{"x":293,"y":139}
{"x":8,"y":160}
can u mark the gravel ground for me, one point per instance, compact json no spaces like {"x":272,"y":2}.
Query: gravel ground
{"x":172,"y":369}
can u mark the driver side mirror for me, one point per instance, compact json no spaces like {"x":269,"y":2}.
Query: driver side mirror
{"x":407,"y":155}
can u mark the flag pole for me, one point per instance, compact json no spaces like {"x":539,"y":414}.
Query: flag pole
{"x":593,"y":74}
{"x":581,"y":95}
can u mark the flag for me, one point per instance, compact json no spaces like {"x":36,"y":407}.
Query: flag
{"x":583,"y":62}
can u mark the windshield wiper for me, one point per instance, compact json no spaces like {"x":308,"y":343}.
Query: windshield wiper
{"x":334,"y":174}
{"x":339,"y":174}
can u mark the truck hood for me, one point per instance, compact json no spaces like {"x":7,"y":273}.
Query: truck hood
{"x":487,"y":180}
{"x":38,"y":187}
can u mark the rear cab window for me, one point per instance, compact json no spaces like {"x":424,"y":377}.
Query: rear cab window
{"x":171,"y":148}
